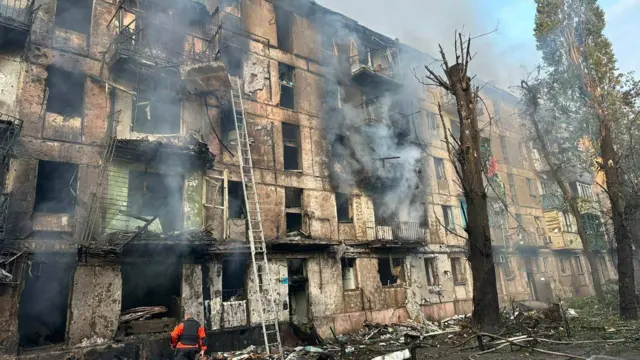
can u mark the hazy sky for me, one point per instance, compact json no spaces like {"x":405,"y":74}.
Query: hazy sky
{"x":504,"y":56}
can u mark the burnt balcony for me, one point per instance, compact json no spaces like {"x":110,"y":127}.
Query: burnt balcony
{"x":396,"y":233}
{"x":376,"y":69}
{"x":16,"y":17}
{"x":154,"y":39}
{"x":9,"y":131}
{"x":4,"y":208}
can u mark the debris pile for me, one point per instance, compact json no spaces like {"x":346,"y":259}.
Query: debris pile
{"x":141,"y":313}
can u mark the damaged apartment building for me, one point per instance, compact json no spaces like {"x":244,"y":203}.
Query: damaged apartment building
{"x":153,"y":151}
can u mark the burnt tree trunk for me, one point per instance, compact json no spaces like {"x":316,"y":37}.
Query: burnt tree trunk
{"x":486,"y":312}
{"x":566,"y":192}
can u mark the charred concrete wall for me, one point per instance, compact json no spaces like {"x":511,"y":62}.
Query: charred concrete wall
{"x":438,"y":290}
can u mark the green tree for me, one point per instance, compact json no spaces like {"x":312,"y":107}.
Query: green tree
{"x":583,"y":83}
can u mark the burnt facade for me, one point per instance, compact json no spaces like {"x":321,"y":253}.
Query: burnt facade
{"x":121,"y":182}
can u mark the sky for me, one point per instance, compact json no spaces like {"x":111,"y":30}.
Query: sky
{"x":504,"y":56}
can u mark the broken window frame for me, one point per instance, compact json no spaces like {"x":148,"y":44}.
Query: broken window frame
{"x":577,"y":260}
{"x":347,"y":263}
{"x":431,"y":120}
{"x":291,"y":209}
{"x":448,"y":218}
{"x":397,"y":279}
{"x":287,"y":80}
{"x":531,"y":184}
{"x":242,"y":212}
{"x":511,"y":180}
{"x":154,"y":93}
{"x":79,"y":23}
{"x":507,"y":268}
{"x":568,"y":223}
{"x":458,"y":271}
{"x":341,"y":199}
{"x":291,"y":143}
{"x":504,"y":147}
{"x":58,"y":77}
{"x":440,"y":169}
{"x":284,"y":19}
{"x":565,"y":265}
{"x":431,"y":270}
{"x":72,"y":186}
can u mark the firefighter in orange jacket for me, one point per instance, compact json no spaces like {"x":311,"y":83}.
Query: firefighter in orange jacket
{"x":188,"y":338}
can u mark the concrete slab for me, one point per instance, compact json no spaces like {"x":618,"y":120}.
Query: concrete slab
{"x":203,"y":78}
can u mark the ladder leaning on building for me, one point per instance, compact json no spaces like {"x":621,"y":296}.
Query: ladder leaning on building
{"x":260,"y":264}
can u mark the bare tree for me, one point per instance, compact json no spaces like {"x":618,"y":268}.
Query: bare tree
{"x":469,"y":169}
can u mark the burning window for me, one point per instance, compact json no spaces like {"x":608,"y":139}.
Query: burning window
{"x":153,"y":283}
{"x":448,"y":219}
{"x":293,"y":209}
{"x":65,"y":92}
{"x":284,"y":25}
{"x":44,"y":302}
{"x":348,"y":274}
{"x":157,"y":108}
{"x":56,"y":187}
{"x":291,"y":146}
{"x":458,"y":271}
{"x":343,"y":208}
{"x":233,"y":279}
{"x":440,"y":170}
{"x":431,"y":268}
{"x":236,"y":200}
{"x":287,"y":80}
{"x":391,"y":270}
{"x":74,"y":15}
{"x":153,"y":194}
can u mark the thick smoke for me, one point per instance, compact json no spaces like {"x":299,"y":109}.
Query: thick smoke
{"x":374,"y":141}
{"x":424,"y":24}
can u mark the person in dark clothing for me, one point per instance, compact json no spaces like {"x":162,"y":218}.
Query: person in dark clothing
{"x":188,"y":339}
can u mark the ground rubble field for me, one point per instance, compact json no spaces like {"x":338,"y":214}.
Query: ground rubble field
{"x":529,"y":330}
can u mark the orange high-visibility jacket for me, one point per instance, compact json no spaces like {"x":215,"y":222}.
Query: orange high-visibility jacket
{"x":189,"y":334}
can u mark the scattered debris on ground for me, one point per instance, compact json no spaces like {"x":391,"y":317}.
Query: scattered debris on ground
{"x":530,"y":329}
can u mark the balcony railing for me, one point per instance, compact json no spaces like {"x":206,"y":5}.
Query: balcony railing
{"x":10,"y":269}
{"x":396,"y":231}
{"x":4,"y":208}
{"x":9,"y":130}
{"x":162,"y":40}
{"x":17,"y":14}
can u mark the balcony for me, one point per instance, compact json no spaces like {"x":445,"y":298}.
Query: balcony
{"x":376,"y":69}
{"x":154,"y":39}
{"x":16,"y":17}
{"x":9,"y":131}
{"x":10,"y":269}
{"x":396,"y":233}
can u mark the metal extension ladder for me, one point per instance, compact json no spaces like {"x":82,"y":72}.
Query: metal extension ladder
{"x":261,"y":271}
